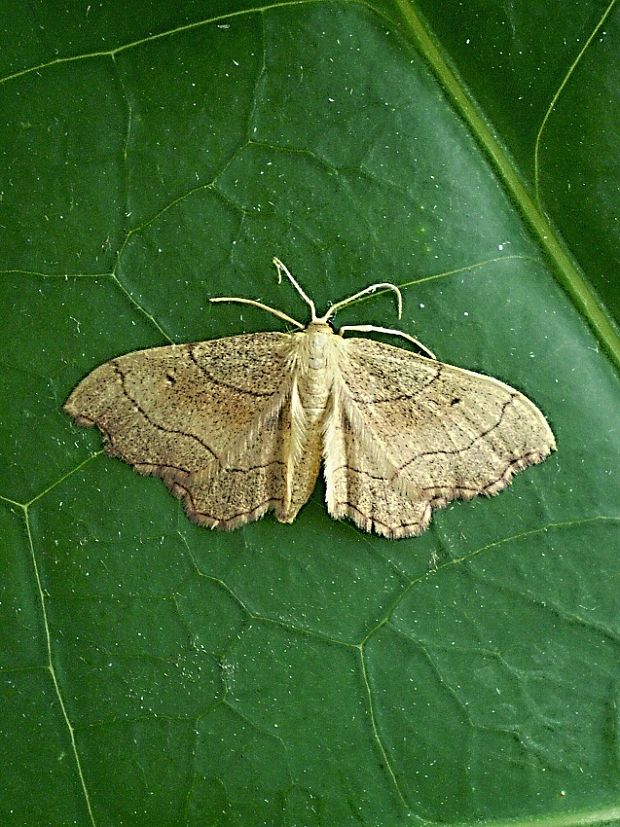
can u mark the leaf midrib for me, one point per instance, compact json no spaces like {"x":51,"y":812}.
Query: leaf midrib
{"x":563,"y":266}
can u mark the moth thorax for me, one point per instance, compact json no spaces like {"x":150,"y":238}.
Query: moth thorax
{"x":315,"y":380}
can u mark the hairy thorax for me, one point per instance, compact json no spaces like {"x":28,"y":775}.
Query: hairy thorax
{"x":315,"y":370}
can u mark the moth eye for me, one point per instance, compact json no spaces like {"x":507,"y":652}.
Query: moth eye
{"x":455,"y":401}
{"x":171,"y":378}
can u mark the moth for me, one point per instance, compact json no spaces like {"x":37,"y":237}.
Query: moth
{"x":240,"y":426}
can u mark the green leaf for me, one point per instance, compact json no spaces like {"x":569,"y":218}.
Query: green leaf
{"x":154,"y":672}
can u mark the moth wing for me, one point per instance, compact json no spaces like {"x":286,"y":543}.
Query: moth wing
{"x":407,"y":434}
{"x":210,"y":419}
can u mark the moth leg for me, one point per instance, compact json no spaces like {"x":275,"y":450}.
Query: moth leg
{"x":371,"y":328}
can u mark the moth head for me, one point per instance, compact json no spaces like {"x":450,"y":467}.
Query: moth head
{"x":320,"y":327}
